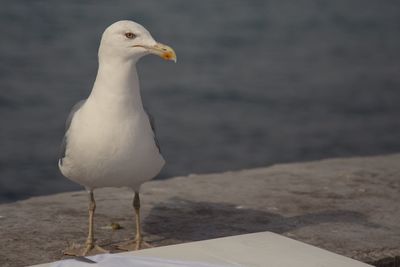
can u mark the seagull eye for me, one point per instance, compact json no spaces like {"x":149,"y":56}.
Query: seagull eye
{"x":130,"y":35}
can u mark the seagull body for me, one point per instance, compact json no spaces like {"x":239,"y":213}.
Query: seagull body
{"x":110,"y":139}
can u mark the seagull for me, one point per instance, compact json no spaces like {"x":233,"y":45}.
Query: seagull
{"x":110,"y":138}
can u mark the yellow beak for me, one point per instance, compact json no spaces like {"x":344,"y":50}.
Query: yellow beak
{"x":161,"y":50}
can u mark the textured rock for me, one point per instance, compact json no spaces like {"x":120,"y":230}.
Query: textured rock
{"x":348,"y":206}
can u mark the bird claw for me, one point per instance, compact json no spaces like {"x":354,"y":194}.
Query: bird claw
{"x":131,"y":245}
{"x":84,"y":250}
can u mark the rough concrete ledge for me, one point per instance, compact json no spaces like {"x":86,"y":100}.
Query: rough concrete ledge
{"x":348,"y":206}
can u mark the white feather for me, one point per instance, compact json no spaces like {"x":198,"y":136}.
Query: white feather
{"x":110,"y":142}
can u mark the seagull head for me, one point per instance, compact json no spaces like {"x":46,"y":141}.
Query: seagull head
{"x":128,"y":40}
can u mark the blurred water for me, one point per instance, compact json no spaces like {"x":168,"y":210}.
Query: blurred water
{"x":257,"y":82}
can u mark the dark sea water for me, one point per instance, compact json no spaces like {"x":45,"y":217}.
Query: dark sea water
{"x":257,"y":82}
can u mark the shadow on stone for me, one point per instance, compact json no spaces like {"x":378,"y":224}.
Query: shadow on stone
{"x":185,"y":220}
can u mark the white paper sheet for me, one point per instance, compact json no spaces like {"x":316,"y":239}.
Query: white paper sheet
{"x":117,"y":260}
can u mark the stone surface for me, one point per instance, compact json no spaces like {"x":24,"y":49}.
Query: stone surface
{"x":348,"y":206}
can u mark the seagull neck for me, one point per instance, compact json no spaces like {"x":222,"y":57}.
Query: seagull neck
{"x":117,"y":83}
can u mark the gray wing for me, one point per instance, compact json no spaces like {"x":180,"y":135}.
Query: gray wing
{"x":75,"y":108}
{"x":153,"y":127}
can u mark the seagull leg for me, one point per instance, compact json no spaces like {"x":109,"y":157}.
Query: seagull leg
{"x":89,"y":247}
{"x":138,"y":237}
{"x":89,"y":244}
{"x":138,"y":242}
